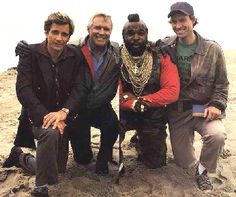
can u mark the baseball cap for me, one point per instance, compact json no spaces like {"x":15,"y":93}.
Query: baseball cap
{"x":184,"y":7}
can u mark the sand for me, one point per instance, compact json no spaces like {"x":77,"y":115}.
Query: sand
{"x":138,"y":180}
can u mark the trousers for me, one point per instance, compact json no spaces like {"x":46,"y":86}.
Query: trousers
{"x":151,"y":131}
{"x":182,"y":126}
{"x":103,"y":118}
{"x":51,"y":155}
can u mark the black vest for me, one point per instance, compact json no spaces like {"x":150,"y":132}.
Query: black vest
{"x":154,"y":116}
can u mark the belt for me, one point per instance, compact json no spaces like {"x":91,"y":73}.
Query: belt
{"x":182,"y":106}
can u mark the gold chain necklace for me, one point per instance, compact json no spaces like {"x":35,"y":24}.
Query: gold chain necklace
{"x":139,"y":69}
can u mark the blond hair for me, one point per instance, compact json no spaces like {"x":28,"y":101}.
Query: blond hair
{"x":103,"y":15}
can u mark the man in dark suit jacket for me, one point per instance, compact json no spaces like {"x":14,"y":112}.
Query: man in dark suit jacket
{"x":50,"y":87}
{"x":102,"y":59}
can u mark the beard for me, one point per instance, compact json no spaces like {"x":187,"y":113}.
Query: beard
{"x":135,"y":51}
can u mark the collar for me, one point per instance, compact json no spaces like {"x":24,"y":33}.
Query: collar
{"x":67,"y":51}
{"x":173,"y":40}
{"x":89,"y":47}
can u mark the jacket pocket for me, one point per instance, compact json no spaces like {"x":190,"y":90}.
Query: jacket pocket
{"x":205,"y":81}
{"x":204,"y":86}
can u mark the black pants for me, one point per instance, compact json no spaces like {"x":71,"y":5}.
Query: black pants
{"x":151,"y":131}
{"x":24,"y":135}
{"x":104,"y":119}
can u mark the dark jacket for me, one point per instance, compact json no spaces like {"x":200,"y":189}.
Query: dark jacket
{"x":104,"y":85}
{"x":34,"y":88}
{"x":35,"y":82}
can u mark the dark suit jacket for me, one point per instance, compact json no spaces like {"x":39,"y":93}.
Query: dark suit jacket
{"x":35,"y":85}
{"x":105,"y":81}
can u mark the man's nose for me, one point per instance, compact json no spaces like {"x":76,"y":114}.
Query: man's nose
{"x":59,"y":37}
{"x":102,"y":31}
{"x":178,"y":24}
{"x":136,"y":36}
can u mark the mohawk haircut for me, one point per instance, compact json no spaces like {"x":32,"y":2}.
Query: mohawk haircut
{"x":133,"y":18}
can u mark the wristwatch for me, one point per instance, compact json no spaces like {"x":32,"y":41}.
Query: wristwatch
{"x":65,"y":110}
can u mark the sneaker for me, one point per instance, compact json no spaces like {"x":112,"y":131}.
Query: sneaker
{"x":203,"y":181}
{"x":13,"y":158}
{"x":40,"y":192}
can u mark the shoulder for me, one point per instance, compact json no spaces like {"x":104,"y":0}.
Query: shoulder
{"x":116,"y":50}
{"x":76,"y":42}
{"x":35,"y":47}
{"x":115,"y":46}
{"x":212,"y":43}
{"x":169,"y":40}
{"x":209,"y":44}
{"x":38,"y":48}
{"x":73,"y":48}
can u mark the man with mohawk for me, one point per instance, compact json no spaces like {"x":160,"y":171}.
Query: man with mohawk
{"x":149,"y":81}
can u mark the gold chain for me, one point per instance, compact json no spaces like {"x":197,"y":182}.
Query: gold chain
{"x":139,"y":69}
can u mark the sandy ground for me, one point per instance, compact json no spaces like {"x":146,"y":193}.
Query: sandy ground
{"x":138,"y":181}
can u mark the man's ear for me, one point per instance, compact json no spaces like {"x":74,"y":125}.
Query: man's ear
{"x":193,"y":18}
{"x":123,"y":34}
{"x":46,"y":34}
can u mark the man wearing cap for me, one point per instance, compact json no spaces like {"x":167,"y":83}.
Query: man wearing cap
{"x":204,"y":84}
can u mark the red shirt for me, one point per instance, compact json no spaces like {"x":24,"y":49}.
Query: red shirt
{"x":169,"y":83}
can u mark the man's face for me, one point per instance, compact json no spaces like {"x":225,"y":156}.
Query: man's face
{"x":135,"y":38}
{"x":57,"y":37}
{"x":99,"y":32}
{"x":182,"y":25}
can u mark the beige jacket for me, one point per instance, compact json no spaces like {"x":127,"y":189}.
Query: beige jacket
{"x":209,"y":82}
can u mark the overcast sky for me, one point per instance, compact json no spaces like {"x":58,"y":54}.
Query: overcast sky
{"x":24,"y":19}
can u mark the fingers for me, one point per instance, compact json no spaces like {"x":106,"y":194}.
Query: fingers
{"x":134,"y":105}
{"x":60,"y":126}
{"x":22,"y":49}
{"x":58,"y":123}
{"x":205,"y":113}
{"x":127,"y":96}
{"x":48,"y":121}
{"x":208,"y":114}
{"x":146,"y":103}
{"x":130,"y":95}
{"x":55,"y":124}
{"x":211,"y":113}
{"x":56,"y":120}
{"x":140,"y":106}
{"x":24,"y":42}
{"x":53,"y":118}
